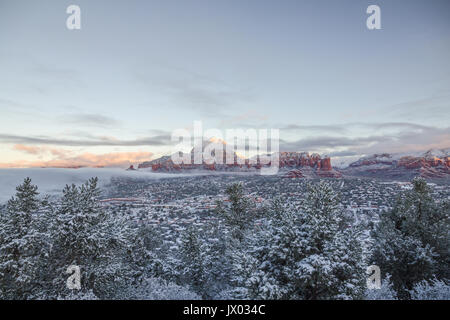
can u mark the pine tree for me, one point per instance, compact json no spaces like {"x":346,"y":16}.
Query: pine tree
{"x":192,"y":261}
{"x":431,"y":290}
{"x":158,"y":289}
{"x":85,"y":235}
{"x":216,"y":260}
{"x":239,"y":214}
{"x":23,"y":246}
{"x":141,"y":257}
{"x":411,"y":241}
{"x":310,"y":253}
{"x":334,"y":265}
{"x":26,"y":200}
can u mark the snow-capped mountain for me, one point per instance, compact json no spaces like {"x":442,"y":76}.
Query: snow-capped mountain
{"x":431,"y":164}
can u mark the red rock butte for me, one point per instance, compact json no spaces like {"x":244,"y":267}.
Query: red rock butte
{"x":300,"y":164}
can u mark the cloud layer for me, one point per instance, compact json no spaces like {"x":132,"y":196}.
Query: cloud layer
{"x":69,"y":159}
{"x":337,"y":140}
{"x":94,"y":141}
{"x":383,"y":137}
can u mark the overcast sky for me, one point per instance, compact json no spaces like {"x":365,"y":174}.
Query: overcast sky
{"x":116,"y":89}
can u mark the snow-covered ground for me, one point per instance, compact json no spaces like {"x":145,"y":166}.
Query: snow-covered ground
{"x":52,"y":181}
{"x":343,"y":162}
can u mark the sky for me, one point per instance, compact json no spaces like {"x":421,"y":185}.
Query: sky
{"x":112,"y":92}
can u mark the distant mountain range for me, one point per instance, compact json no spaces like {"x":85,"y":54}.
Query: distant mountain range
{"x":431,"y":164}
{"x":296,"y":164}
{"x":302,"y":164}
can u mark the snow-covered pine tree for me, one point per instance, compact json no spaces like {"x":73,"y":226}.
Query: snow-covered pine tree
{"x":431,"y":290}
{"x":191,"y":261}
{"x":216,"y":260}
{"x":158,"y":289}
{"x":333,"y":264}
{"x":263,"y":265}
{"x":26,"y":199}
{"x":311,"y":253}
{"x":87,"y":236}
{"x":411,"y":242}
{"x":233,"y":232}
{"x":240,"y":212}
{"x":24,"y":246}
{"x":141,"y":257}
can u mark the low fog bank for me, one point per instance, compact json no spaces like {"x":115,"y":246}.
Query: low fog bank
{"x":52,"y":181}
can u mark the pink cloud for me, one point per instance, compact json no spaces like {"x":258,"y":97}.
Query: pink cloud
{"x":65,"y":158}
